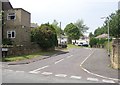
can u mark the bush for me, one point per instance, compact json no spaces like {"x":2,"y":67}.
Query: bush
{"x":45,"y":36}
{"x":7,"y":41}
{"x":93,"y":42}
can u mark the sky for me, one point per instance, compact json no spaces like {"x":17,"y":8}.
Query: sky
{"x":67,"y":11}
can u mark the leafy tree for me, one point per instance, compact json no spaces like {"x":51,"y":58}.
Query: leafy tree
{"x":45,"y":36}
{"x":80,"y":24}
{"x":93,"y":42}
{"x":114,"y":24}
{"x":59,"y":31}
{"x":91,"y":35}
{"x":72,"y":32}
{"x":100,"y":30}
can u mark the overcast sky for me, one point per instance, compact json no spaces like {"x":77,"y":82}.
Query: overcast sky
{"x":66,"y":11}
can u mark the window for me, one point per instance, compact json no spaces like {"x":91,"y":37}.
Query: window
{"x":11,"y":34}
{"x":11,"y":16}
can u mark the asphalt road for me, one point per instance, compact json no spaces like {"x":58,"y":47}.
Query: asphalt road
{"x":80,"y":65}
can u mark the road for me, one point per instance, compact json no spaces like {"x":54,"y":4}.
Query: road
{"x":79,"y":65}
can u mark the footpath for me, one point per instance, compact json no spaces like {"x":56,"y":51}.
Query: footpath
{"x":99,"y":63}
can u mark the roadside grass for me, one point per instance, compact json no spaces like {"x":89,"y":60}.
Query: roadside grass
{"x":110,"y":46}
{"x":37,"y":54}
{"x":29,"y":56}
{"x":72,"y":46}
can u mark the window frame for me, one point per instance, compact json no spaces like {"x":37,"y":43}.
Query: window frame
{"x":8,"y":15}
{"x":10,"y":33}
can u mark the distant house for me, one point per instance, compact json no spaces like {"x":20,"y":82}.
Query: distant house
{"x":16,"y":24}
{"x":102,"y":36}
{"x":34,"y":25}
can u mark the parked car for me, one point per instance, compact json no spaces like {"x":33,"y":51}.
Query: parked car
{"x":82,"y":43}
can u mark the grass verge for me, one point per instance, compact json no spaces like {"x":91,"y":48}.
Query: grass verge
{"x":29,"y":56}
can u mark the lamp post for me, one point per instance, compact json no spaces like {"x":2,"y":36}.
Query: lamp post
{"x":108,"y":35}
{"x":60,"y":33}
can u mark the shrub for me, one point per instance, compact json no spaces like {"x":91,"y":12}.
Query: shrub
{"x":45,"y":36}
{"x":7,"y":41}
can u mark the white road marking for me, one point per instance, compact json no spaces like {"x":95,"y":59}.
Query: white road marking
{"x":75,"y":77}
{"x":86,"y":58}
{"x":10,"y":70}
{"x":59,"y":61}
{"x":92,"y":79}
{"x":34,"y":72}
{"x":61,"y":75}
{"x":99,"y":75}
{"x":94,"y":73}
{"x":19,"y":71}
{"x":70,"y":56}
{"x":108,"y":81}
{"x":38,"y":70}
{"x":46,"y":73}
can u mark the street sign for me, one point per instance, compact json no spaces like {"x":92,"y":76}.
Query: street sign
{"x":4,"y":49}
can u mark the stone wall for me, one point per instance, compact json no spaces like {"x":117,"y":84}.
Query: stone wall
{"x":21,"y":50}
{"x":115,"y":58}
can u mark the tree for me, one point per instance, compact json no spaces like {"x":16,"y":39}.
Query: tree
{"x":91,"y":35}
{"x":72,"y":32}
{"x":114,"y":24}
{"x":59,"y":31}
{"x":45,"y":36}
{"x":82,"y":28}
{"x":93,"y":42}
{"x":100,"y":30}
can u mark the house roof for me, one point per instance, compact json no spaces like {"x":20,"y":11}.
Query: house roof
{"x":6,"y":5}
{"x":21,"y":9}
{"x":102,"y":36}
{"x":4,"y":0}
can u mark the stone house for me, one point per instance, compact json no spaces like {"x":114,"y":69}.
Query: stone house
{"x":15,"y":25}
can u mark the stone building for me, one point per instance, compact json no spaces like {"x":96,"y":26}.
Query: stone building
{"x":15,"y":27}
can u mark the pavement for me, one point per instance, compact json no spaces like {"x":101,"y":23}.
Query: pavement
{"x":99,"y":64}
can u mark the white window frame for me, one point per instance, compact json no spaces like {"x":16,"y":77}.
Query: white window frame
{"x":10,"y":32}
{"x":8,"y":15}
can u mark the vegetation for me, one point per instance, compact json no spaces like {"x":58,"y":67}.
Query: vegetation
{"x":57,"y":28}
{"x":91,"y":35}
{"x":7,"y":41}
{"x":82,"y":28}
{"x":45,"y":36}
{"x":97,"y":42}
{"x":114,"y":25}
{"x":72,"y":32}
{"x":30,"y":56}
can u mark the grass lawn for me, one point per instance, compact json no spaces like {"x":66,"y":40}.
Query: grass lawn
{"x":29,"y":56}
{"x":72,"y":46}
